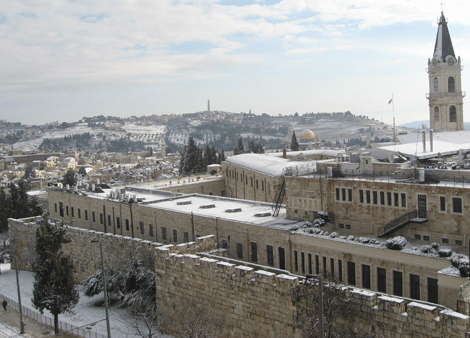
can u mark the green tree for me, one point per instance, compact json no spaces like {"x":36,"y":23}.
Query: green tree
{"x":251,"y":146}
{"x":53,"y":287}
{"x":5,"y":210}
{"x":28,"y":172}
{"x":239,"y":149}
{"x":69,"y":178}
{"x":259,"y":148}
{"x":294,"y":144}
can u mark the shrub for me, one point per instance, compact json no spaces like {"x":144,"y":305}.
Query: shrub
{"x":396,"y":243}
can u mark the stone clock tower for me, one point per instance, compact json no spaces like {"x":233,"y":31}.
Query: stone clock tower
{"x":445,"y":91}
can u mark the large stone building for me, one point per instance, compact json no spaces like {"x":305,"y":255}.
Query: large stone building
{"x":445,"y":91}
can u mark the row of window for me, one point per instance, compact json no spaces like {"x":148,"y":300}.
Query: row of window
{"x":456,"y":204}
{"x":269,"y":254}
{"x":452,"y":114}
{"x":300,"y":265}
{"x":232,"y":174}
{"x":373,"y":197}
{"x":450,"y":84}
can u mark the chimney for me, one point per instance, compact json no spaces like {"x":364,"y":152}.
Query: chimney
{"x":431,"y":136}
{"x":424,"y":141}
{"x":284,"y":153}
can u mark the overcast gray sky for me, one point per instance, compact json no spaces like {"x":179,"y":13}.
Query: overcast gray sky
{"x":61,"y":60}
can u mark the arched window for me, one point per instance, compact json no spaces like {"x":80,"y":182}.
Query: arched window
{"x":452,"y":114}
{"x":436,"y":85}
{"x":451,"y":84}
{"x":436,"y":114}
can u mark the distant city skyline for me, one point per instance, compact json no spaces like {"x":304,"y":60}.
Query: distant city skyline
{"x":64,"y":60}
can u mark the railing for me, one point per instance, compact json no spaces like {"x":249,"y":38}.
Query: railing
{"x":49,"y":321}
{"x":280,"y":197}
{"x":397,"y":223}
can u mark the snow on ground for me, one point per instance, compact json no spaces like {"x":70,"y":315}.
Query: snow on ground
{"x":85,"y":313}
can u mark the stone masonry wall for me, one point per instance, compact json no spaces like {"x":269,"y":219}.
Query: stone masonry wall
{"x":254,"y":303}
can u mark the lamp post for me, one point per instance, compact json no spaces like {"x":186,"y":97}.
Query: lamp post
{"x":105,"y":288}
{"x":320,"y":279}
{"x":19,"y":297}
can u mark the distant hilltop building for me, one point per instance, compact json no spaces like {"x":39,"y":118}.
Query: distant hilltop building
{"x":445,"y":92}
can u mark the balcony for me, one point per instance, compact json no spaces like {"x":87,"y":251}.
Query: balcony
{"x":439,"y":95}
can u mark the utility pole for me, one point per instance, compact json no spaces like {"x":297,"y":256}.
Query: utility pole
{"x":19,"y":297}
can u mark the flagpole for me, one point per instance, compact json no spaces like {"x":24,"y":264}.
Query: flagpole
{"x":394,"y":128}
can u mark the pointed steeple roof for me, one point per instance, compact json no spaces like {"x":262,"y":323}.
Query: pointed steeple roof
{"x":443,"y":46}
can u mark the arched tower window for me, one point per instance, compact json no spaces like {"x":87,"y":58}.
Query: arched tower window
{"x":452,"y":114}
{"x":436,"y":85}
{"x":451,"y":84}
{"x":436,"y":114}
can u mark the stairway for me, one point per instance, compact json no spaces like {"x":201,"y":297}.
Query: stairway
{"x":400,"y":222}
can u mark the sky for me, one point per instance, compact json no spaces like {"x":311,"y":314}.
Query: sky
{"x":61,"y":60}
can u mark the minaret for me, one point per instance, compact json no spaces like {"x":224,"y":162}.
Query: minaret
{"x":445,"y":92}
{"x":208,"y":106}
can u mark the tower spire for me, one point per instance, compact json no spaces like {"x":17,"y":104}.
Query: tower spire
{"x":443,"y":47}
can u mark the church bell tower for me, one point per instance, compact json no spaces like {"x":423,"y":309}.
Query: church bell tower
{"x":445,"y":92}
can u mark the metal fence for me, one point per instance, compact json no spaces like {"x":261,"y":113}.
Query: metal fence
{"x":49,"y":321}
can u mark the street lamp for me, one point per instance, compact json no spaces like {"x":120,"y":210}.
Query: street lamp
{"x":105,"y":288}
{"x":19,"y":297}
{"x":320,"y":279}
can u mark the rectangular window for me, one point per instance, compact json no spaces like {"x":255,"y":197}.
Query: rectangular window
{"x":445,"y":241}
{"x":340,"y":270}
{"x":324,"y":266}
{"x":282,"y":258}
{"x":366,"y":276}
{"x":79,"y":213}
{"x":270,"y":253}
{"x":374,"y":195}
{"x":348,"y":226}
{"x":86,"y":215}
{"x":317,"y":265}
{"x":403,"y":200}
{"x":101,"y":218}
{"x":150,"y":230}
{"x":55,"y":207}
{"x":398,"y":283}
{"x":128,"y":225}
{"x":163,"y":232}
{"x":296,"y":261}
{"x":332,"y":268}
{"x":67,"y":210}
{"x":343,"y":194}
{"x":418,"y":237}
{"x":239,"y":250}
{"x":368,"y":196}
{"x":456,"y":205}
{"x":93,"y":217}
{"x":442,"y":203}
{"x":361,"y":196}
{"x":61,"y":209}
{"x":433,"y":292}
{"x":175,"y":236}
{"x":185,"y":236}
{"x":118,"y":222}
{"x":142,"y":228}
{"x":389,"y":198}
{"x":382,"y":198}
{"x":73,"y":212}
{"x":350,"y":195}
{"x":302,"y":261}
{"x":426,"y":238}
{"x":351,"y":273}
{"x":381,"y":280}
{"x":337,"y":194}
{"x":109,"y":220}
{"x":254,"y":252}
{"x":395,"y":199}
{"x":458,"y":242}
{"x":310,"y":270}
{"x":414,"y":286}
{"x":341,"y":225}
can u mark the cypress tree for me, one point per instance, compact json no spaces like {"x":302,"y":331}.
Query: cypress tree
{"x":239,"y":149}
{"x":53,"y":287}
{"x":294,"y":145}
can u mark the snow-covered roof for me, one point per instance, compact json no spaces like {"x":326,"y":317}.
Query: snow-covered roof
{"x":266,"y":164}
{"x":444,"y":144}
{"x":306,"y":153}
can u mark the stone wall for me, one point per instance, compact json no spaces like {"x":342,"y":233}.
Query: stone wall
{"x":254,"y":303}
{"x":191,"y":185}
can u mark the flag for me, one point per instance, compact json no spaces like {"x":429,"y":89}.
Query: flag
{"x":390,"y":100}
